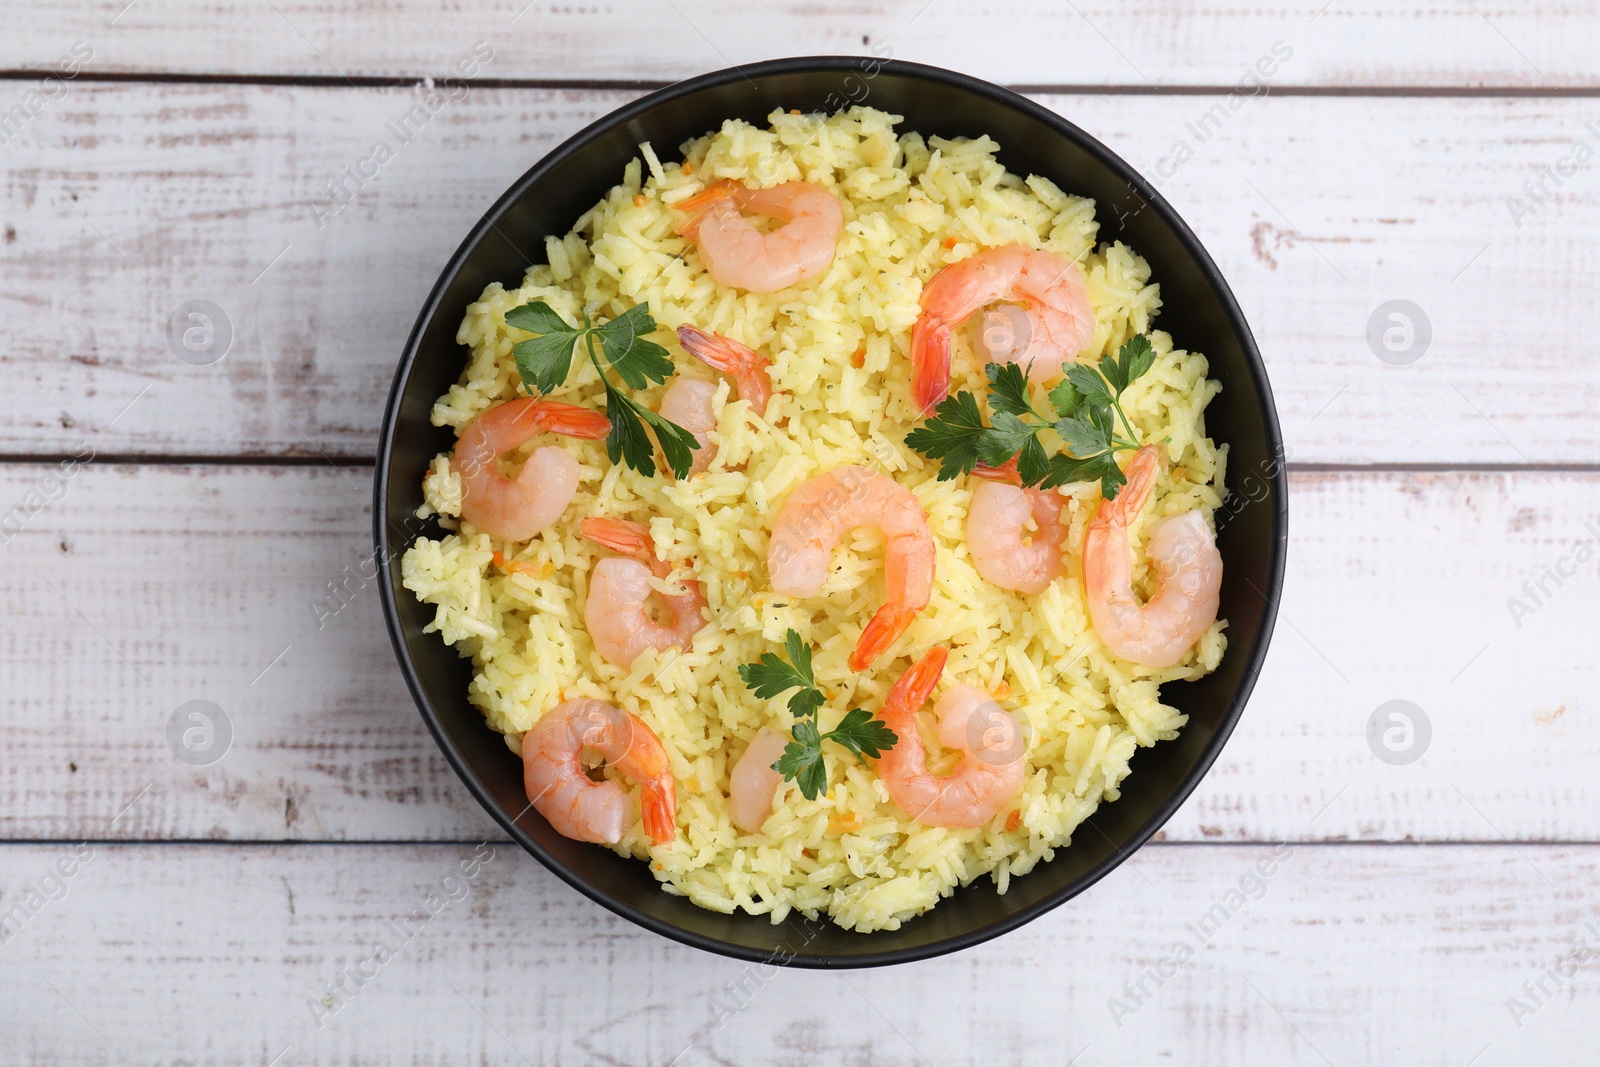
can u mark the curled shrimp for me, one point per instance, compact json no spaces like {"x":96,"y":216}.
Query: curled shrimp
{"x":736,"y":253}
{"x":1159,"y":631}
{"x":575,"y":805}
{"x":753,"y":784}
{"x":1002,"y":549}
{"x":617,"y":613}
{"x":688,"y":401}
{"x":815,"y":518}
{"x":1055,"y":323}
{"x":745,"y":366}
{"x":515,"y":509}
{"x":994,"y":751}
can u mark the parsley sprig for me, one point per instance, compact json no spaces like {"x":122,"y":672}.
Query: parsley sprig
{"x":545,"y":361}
{"x":859,"y":732}
{"x":1085,"y":409}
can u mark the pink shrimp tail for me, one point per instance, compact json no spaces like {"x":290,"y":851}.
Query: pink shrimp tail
{"x":916,"y":685}
{"x":744,"y":365}
{"x":884,"y":630}
{"x":630,"y":538}
{"x":700,"y":204}
{"x":569,"y":420}
{"x":1006,"y":473}
{"x":930,"y":362}
{"x":1141,"y":473}
{"x":658,"y":805}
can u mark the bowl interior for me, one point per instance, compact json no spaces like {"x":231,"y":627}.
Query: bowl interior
{"x":1197,"y":310}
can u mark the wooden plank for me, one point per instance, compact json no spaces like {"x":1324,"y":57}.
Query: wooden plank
{"x":126,"y":201}
{"x":203,"y":583}
{"x":1161,"y":42}
{"x":1341,"y":955}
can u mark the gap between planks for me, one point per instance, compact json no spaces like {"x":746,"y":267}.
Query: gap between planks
{"x":157,"y":459}
{"x":468,"y":842}
{"x":372,"y":81}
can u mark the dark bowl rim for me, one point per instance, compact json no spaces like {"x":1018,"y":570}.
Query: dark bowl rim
{"x":1137,"y":183}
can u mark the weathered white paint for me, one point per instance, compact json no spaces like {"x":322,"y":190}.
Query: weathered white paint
{"x":1094,"y":42}
{"x":1348,"y":955}
{"x":177,"y":583}
{"x":192,"y":580}
{"x":1317,"y":209}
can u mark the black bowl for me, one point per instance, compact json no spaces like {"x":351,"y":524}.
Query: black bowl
{"x":1198,"y":310}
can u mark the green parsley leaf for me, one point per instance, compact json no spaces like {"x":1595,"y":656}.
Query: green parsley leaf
{"x":1114,"y":373}
{"x":539,"y":317}
{"x":544,"y":362}
{"x":627,"y":443}
{"x":1086,"y":402}
{"x":862,"y":734}
{"x":1090,"y":385}
{"x":1135,"y":357}
{"x":802,"y":760}
{"x":1066,"y":469}
{"x":639,"y":362}
{"x":1032,"y":464}
{"x":1066,"y":398}
{"x":1004,"y":439}
{"x":1084,"y":439}
{"x":858,"y":732}
{"x":951,"y":436}
{"x":1008,"y":388}
{"x":799,"y":655}
{"x":677,"y":444}
{"x":771,"y":676}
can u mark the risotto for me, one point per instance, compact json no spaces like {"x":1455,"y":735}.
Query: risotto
{"x":836,"y":345}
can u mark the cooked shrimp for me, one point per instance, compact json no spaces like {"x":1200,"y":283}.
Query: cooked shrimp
{"x":736,"y":253}
{"x":994,"y":751}
{"x":515,"y":509}
{"x":753,"y":784}
{"x":688,"y":401}
{"x":575,"y":805}
{"x":1003,"y":550}
{"x":815,"y":518}
{"x":1158,"y":632}
{"x":746,"y":367}
{"x":1055,"y":303}
{"x":617,"y":613}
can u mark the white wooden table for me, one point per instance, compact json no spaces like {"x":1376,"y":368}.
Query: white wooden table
{"x":1437,"y":911}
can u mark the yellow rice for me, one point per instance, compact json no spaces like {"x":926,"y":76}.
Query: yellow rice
{"x":851,"y":854}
